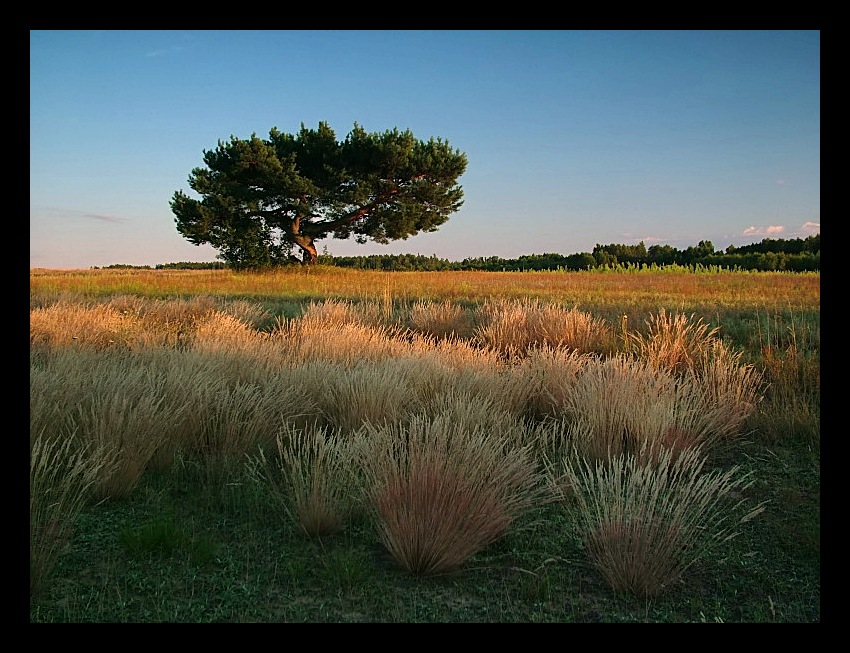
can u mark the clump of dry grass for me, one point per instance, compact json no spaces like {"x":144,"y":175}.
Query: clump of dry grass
{"x":110,"y":399}
{"x":613,"y":405}
{"x":441,"y":320}
{"x":70,"y":324}
{"x":644,"y":525}
{"x":225,"y":418}
{"x":130,"y":322}
{"x":791,"y":373}
{"x":550,"y":374}
{"x":221,"y":332}
{"x":378,"y":392}
{"x":335,"y":313}
{"x":440,"y":491}
{"x":62,"y":473}
{"x":625,"y":405}
{"x":512,"y":327}
{"x":732,"y":390}
{"x":673,"y":342}
{"x":312,"y":476}
{"x":345,"y":342}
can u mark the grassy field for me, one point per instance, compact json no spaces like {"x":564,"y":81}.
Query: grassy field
{"x":329,"y":445}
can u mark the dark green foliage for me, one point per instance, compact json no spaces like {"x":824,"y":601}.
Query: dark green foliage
{"x":262,"y":198}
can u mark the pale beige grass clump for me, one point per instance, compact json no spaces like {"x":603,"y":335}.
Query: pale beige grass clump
{"x":731,"y":390}
{"x":622,"y":405}
{"x":614,"y":404}
{"x":378,"y":392}
{"x":226,"y":418}
{"x":228,"y":402}
{"x":512,"y":327}
{"x":62,"y":473}
{"x":450,"y":367}
{"x":222,"y":332}
{"x":312,"y":476}
{"x":673,"y":342}
{"x":179,"y":311}
{"x":346,"y":343}
{"x":66,"y":324}
{"x":550,"y":373}
{"x":335,"y":313}
{"x":440,"y":491}
{"x":644,"y":525}
{"x":502,"y":326}
{"x":131,"y":322}
{"x":441,"y":320}
{"x":689,"y":349}
{"x":110,"y":399}
{"x":458,"y":355}
{"x":470,"y":409}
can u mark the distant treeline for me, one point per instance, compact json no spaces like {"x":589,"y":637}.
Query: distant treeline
{"x":770,"y":255}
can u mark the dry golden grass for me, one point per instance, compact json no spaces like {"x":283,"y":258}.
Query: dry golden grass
{"x":732,"y":389}
{"x":440,"y":491}
{"x":426,"y":399}
{"x":621,"y":405}
{"x":550,"y":373}
{"x":378,"y":392}
{"x":512,"y":327}
{"x":225,"y":420}
{"x":683,"y":290}
{"x":62,"y":473}
{"x":129,"y":322}
{"x":674,"y":342}
{"x":441,"y":320}
{"x":110,"y":401}
{"x":346,"y":343}
{"x":312,"y":475}
{"x":69,"y":324}
{"x":644,"y":525}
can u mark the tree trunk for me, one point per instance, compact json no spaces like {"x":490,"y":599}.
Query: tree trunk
{"x":309,"y":255}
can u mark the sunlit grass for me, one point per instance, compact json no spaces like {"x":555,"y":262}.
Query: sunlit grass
{"x":342,"y":393}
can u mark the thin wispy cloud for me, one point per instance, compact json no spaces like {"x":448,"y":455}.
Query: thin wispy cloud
{"x":811,"y":227}
{"x":100,"y":217}
{"x":103,"y":218}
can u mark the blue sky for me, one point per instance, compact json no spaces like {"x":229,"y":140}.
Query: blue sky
{"x":574,"y":138}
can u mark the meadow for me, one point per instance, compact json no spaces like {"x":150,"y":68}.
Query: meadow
{"x":332,"y":445}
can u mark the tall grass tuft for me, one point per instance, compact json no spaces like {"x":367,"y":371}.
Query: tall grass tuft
{"x":626,"y":405}
{"x":62,"y":473}
{"x":511,"y":327}
{"x":732,"y":389}
{"x":790,"y":364}
{"x":441,"y":320}
{"x":674,"y":342}
{"x":226,"y":421}
{"x":110,"y":399}
{"x":72,"y":324}
{"x":644,"y":525}
{"x":379,"y":392}
{"x":311,"y":476}
{"x":550,"y":373}
{"x":440,"y":491}
{"x":617,"y":405}
{"x":307,"y":340}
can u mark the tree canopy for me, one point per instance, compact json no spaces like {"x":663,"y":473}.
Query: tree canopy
{"x":261,"y":198}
